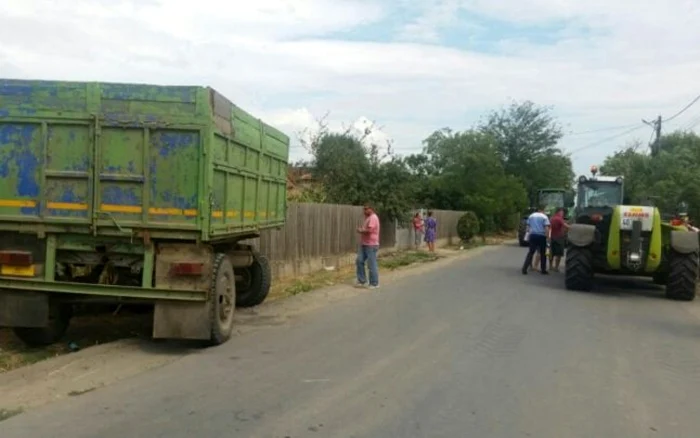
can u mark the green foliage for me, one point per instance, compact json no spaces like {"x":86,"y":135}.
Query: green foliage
{"x":352,"y":172}
{"x":468,"y":174}
{"x":526,"y":137}
{"x":314,"y":194}
{"x":391,"y":189}
{"x":468,"y":226}
{"x":670,"y":177}
{"x":342,"y":166}
{"x":493,"y":171}
{"x":406,"y":258}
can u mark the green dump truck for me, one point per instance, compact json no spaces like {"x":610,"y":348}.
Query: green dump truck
{"x":125,"y":193}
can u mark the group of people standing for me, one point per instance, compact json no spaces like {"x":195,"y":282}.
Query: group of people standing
{"x":369,"y":243}
{"x":425,"y":230}
{"x":543,"y":232}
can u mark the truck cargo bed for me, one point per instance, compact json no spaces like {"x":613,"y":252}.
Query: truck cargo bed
{"x":119,"y":159}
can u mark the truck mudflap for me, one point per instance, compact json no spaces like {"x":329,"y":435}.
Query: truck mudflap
{"x":24,"y":309}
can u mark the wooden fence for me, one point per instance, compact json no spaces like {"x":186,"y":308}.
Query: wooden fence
{"x":322,"y":235}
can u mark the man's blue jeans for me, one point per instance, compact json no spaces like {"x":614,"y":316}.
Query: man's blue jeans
{"x":367,"y":254}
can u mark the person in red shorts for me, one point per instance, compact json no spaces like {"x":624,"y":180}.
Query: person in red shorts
{"x":558,"y":238}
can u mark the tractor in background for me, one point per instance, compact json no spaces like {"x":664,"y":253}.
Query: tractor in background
{"x":607,"y":237}
{"x":552,"y":199}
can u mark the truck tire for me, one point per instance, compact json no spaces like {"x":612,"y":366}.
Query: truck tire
{"x":579,"y":269}
{"x":59,"y":320}
{"x":223,"y":300}
{"x":256,"y":285}
{"x":682,"y":276}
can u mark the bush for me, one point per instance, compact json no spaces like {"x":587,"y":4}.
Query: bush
{"x":468,"y":226}
{"x":509,"y":221}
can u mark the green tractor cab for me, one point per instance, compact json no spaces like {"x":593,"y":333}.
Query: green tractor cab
{"x":552,"y":199}
{"x":610,"y":238}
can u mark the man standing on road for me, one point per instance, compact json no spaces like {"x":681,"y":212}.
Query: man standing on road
{"x":369,"y":246}
{"x":559,"y":228}
{"x":538,"y":229}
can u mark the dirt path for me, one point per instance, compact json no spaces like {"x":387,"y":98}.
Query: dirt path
{"x":86,"y":370}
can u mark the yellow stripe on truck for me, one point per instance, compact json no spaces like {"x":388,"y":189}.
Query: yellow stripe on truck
{"x":17,"y":203}
{"x":108,"y":208}
{"x":129,"y":209}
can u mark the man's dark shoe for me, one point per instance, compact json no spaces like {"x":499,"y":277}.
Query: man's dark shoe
{"x":524,"y":271}
{"x":545,"y":272}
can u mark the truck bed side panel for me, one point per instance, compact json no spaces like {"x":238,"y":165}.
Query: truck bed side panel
{"x":250,"y":168}
{"x":104,"y":155}
{"x":104,"y":158}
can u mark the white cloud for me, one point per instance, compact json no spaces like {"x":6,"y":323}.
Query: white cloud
{"x":273,"y":57}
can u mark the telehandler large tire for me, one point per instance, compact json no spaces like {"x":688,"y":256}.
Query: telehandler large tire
{"x":682,"y":276}
{"x":579,"y":269}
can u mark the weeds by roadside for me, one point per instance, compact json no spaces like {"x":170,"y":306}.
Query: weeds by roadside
{"x":407,"y":258}
{"x":9,"y":413}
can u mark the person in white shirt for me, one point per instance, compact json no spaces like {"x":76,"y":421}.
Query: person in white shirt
{"x":538,"y":228}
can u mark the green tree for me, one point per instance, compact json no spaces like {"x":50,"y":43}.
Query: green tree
{"x":634,"y":167}
{"x":526,"y":138}
{"x":469,"y":174}
{"x":342,"y":166}
{"x":392,"y":189}
{"x":669,"y":178}
{"x":353,"y":172}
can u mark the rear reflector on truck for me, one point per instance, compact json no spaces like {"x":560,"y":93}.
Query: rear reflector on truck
{"x":187,"y":269}
{"x":16,"y":258}
{"x":16,"y":264}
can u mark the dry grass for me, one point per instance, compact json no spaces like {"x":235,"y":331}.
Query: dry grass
{"x":9,"y":413}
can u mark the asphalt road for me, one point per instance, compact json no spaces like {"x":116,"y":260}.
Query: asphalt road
{"x":473,"y":349}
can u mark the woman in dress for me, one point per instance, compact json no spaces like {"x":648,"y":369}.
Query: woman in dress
{"x":430,"y":231}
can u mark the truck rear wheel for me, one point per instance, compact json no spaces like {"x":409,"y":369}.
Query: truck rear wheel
{"x":223,"y":300}
{"x":255,"y":286}
{"x":682,"y":276}
{"x":579,"y":269}
{"x":59,"y":320}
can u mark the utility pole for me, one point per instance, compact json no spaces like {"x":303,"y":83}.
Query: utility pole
{"x":656,"y":124}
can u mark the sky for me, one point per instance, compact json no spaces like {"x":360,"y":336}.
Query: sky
{"x":411,"y":67}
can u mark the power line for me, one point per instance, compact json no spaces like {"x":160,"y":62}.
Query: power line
{"x":693,"y":102}
{"x":590,"y":145}
{"x":611,"y":128}
{"x":693,"y":123}
{"x":651,"y":136}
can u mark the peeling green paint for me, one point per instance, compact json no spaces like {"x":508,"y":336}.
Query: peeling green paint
{"x":131,"y":156}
